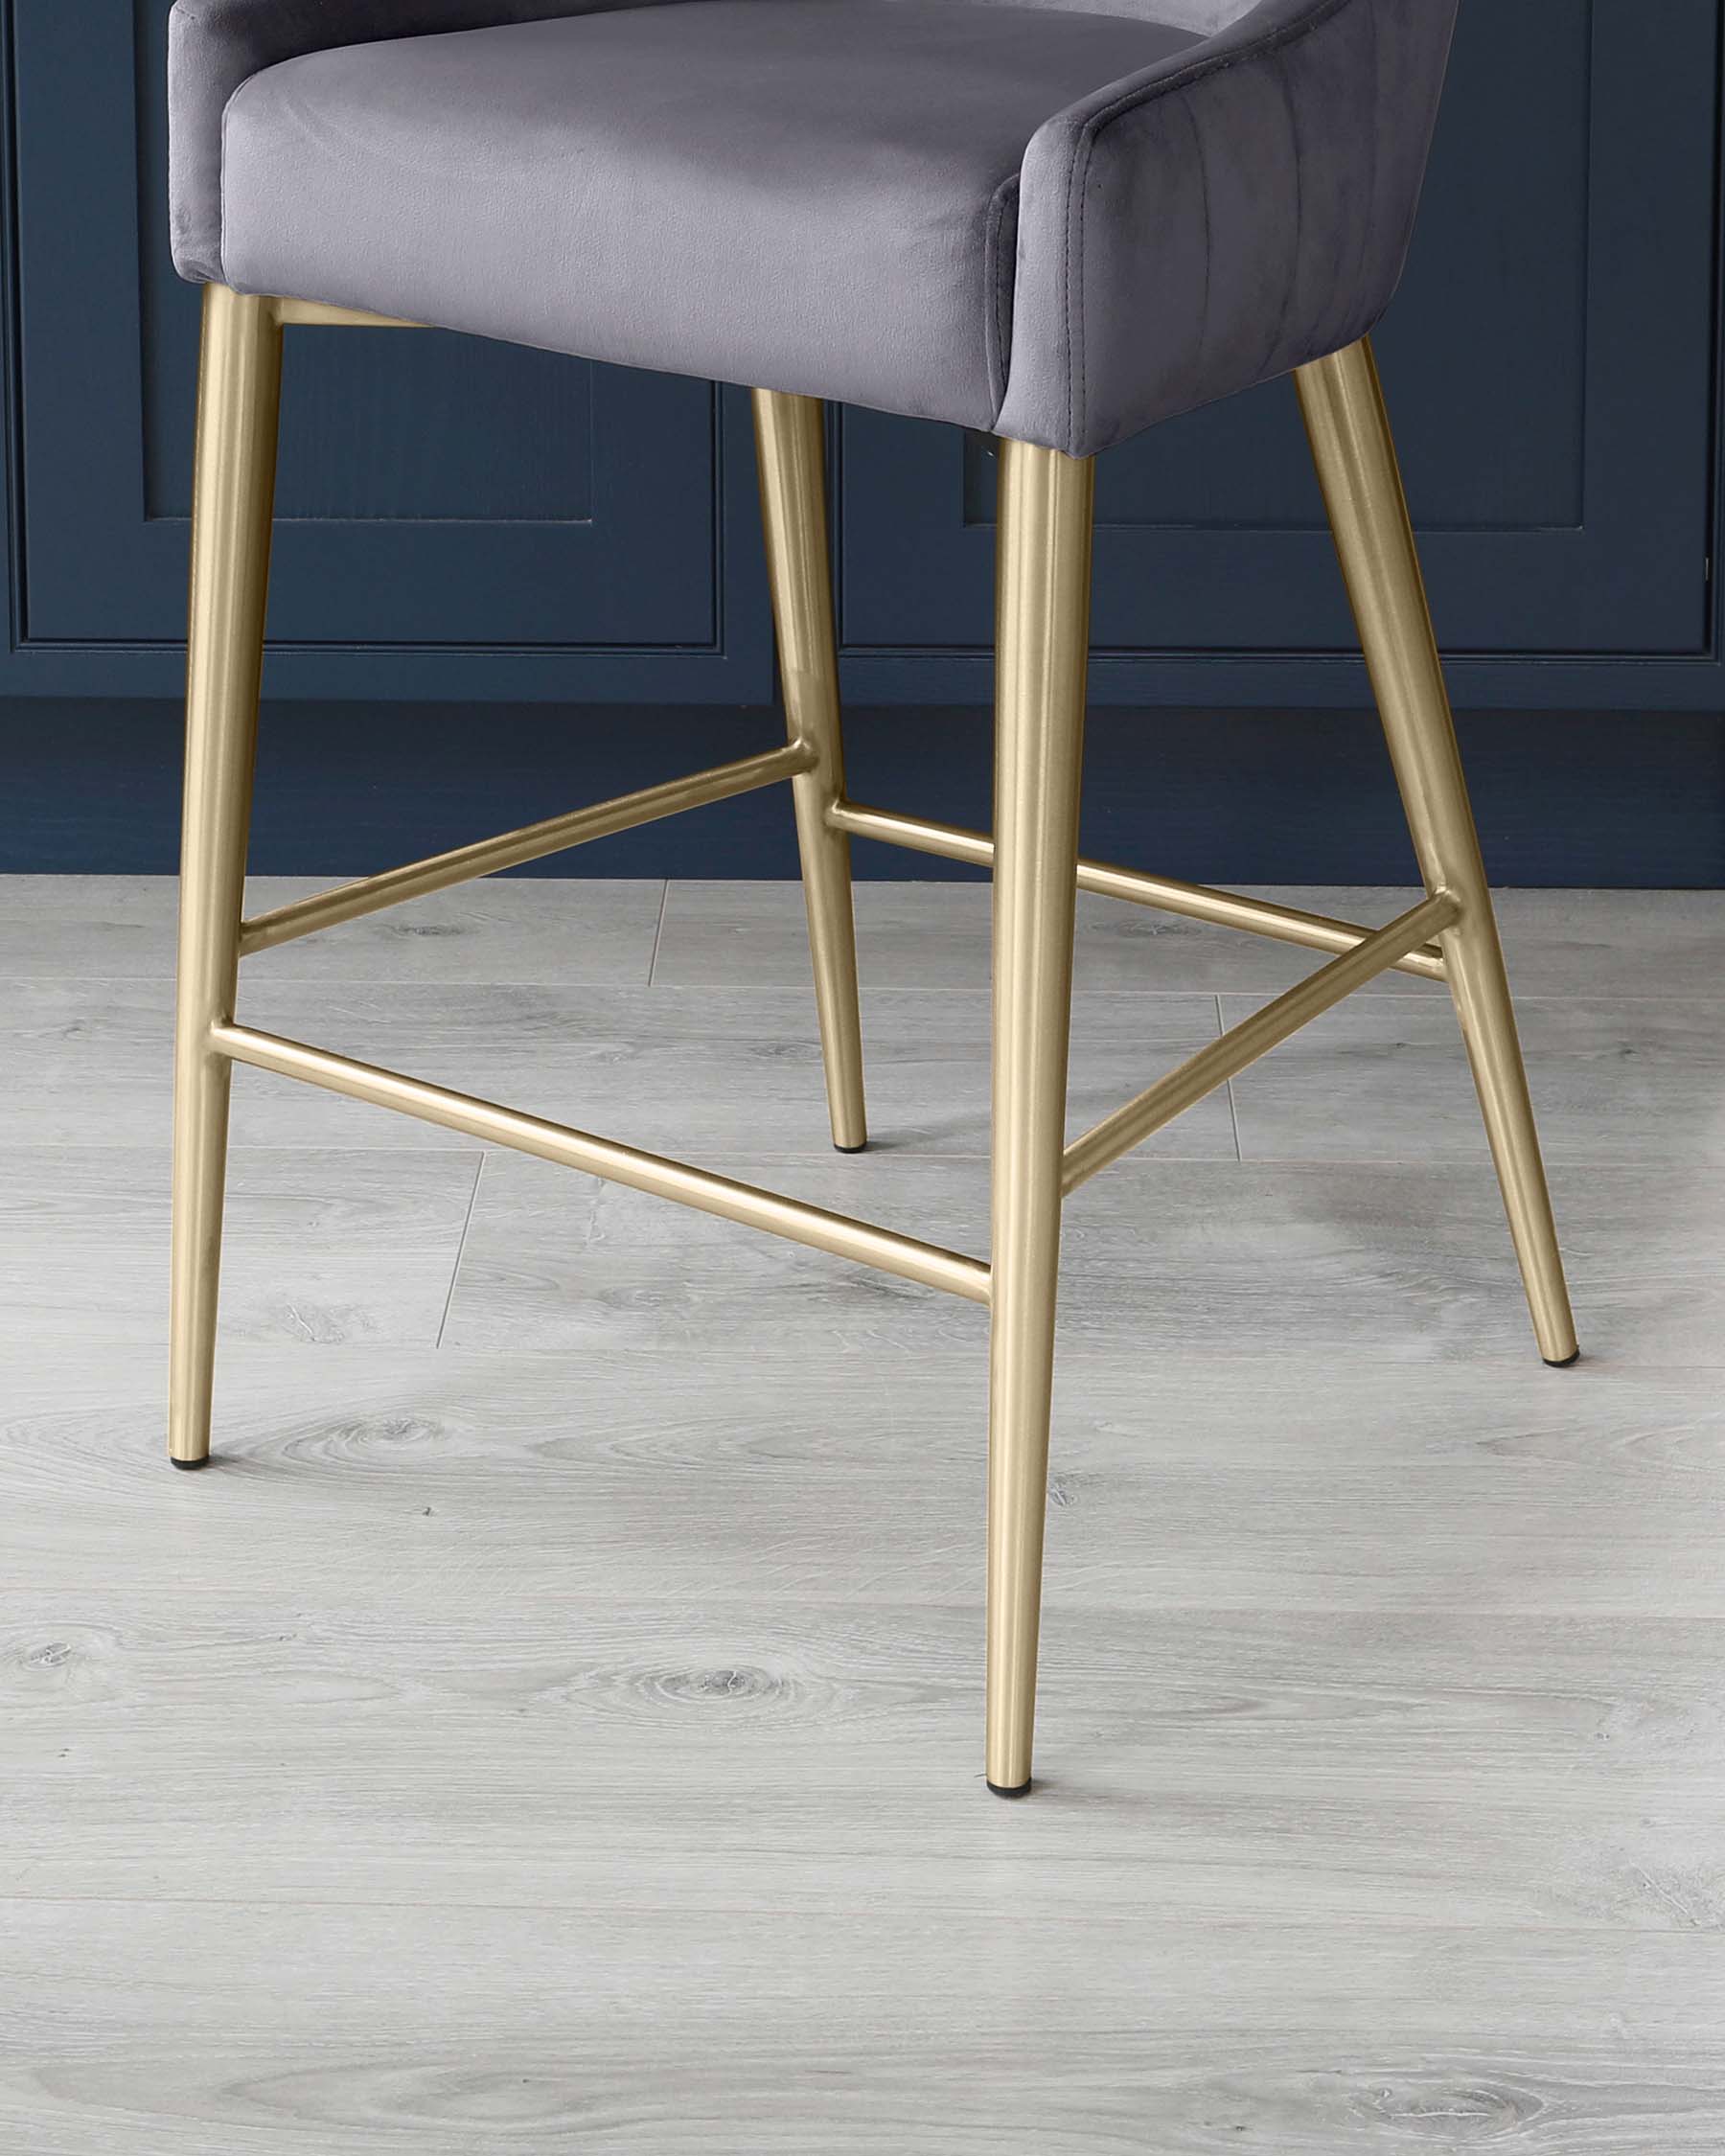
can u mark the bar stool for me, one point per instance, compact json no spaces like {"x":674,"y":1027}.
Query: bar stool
{"x":1056,"y":225}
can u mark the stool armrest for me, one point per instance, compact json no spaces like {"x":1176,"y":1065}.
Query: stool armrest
{"x":1270,"y":178}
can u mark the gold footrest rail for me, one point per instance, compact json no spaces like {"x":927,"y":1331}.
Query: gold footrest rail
{"x":1227,"y":909}
{"x":1243,"y":1044}
{"x":1403,"y":943}
{"x":485,"y":856}
{"x":789,"y":1217}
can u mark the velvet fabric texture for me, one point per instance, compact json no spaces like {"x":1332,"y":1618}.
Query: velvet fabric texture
{"x":1058,"y":223}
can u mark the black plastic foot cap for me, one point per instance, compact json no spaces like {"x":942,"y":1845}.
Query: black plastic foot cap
{"x":188,"y":1465}
{"x":862,"y":1148}
{"x":1022,"y":1790}
{"x":1561,"y":1362}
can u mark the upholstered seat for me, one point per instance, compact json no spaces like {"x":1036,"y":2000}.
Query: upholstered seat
{"x":1060,"y":225}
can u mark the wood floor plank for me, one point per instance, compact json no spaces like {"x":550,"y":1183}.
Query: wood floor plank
{"x":536,"y":1750}
{"x":939,"y":937}
{"x":1559,"y":943}
{"x":672,"y":1069}
{"x":314,"y":1970}
{"x":1178,"y":2095}
{"x":1614,"y":943}
{"x":1337,"y":1542}
{"x":916,"y":934}
{"x":1556,"y":1712}
{"x":591,"y":931}
{"x":320,"y":1247}
{"x":1547,"y":1524}
{"x":1388,"y":1261}
{"x":332,"y":2028}
{"x":1622,"y":1080}
{"x":447,"y":1418}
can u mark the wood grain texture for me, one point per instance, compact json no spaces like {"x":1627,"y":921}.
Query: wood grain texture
{"x":320,"y":1247}
{"x":361,"y":1757}
{"x":576,"y":931}
{"x":1559,"y":943}
{"x":914,"y":935}
{"x":1385,"y":1260}
{"x":746,"y":935}
{"x":676,"y":1070}
{"x":1627,"y":1080}
{"x":567,"y":1737}
{"x":1511,"y":1529}
{"x":661,"y":2028}
{"x":1175,"y":2095}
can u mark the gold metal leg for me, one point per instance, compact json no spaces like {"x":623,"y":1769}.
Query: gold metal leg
{"x":239,"y":400}
{"x":1350,"y":430}
{"x":791,"y":441}
{"x":1043,"y":601}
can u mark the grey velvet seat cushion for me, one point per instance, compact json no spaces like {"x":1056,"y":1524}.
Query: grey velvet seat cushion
{"x":811,"y":195}
{"x":1058,"y":223}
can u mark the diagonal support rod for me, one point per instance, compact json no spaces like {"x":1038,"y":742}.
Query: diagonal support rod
{"x":1165,"y":894}
{"x":812,"y":1224}
{"x":1243,"y":1044}
{"x":485,"y":856}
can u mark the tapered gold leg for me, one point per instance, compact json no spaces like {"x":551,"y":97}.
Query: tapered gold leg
{"x":1351,"y":438}
{"x":790,"y":442}
{"x":239,"y":400}
{"x":1043,"y":602}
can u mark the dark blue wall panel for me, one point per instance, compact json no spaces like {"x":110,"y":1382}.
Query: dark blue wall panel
{"x":1241,"y":797}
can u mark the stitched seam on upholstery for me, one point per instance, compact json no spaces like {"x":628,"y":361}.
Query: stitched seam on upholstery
{"x":222,"y":161}
{"x":1204,"y":196}
{"x":227,"y":110}
{"x":1075,"y":316}
{"x":998,"y":285}
{"x":1066,"y":289}
{"x":1164,"y":85}
{"x":1291,"y":285}
{"x":1373,"y":198}
{"x":1147,"y":94}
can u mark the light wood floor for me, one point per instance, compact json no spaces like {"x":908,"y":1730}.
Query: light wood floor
{"x":556,"y":1723}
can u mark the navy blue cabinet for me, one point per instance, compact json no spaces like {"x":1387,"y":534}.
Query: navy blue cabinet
{"x":464,"y":521}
